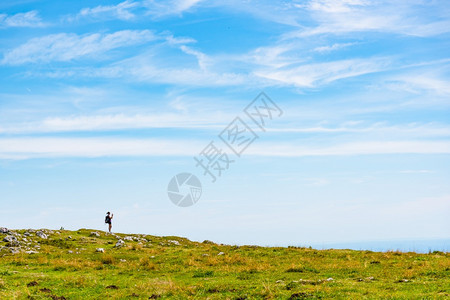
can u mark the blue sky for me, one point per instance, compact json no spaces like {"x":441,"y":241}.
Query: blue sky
{"x":101,"y":104}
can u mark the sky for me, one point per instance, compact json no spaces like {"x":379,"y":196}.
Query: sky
{"x":103,"y":103}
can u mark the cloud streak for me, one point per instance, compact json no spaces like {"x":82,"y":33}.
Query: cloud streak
{"x":25,"y":148}
{"x":28,"y":19}
{"x":67,"y":47}
{"x":121,"y":11}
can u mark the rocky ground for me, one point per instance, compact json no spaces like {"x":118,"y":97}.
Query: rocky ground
{"x":92,"y":264}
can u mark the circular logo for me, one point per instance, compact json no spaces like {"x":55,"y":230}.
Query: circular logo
{"x":184,"y":189}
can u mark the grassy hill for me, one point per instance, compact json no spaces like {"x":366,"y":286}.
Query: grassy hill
{"x":90,"y":264}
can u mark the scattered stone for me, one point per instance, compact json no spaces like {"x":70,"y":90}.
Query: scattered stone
{"x":69,"y":237}
{"x":221,"y":253}
{"x":279,"y":281}
{"x":120,"y":243}
{"x":31,"y":252}
{"x":94,"y":233}
{"x":100,"y":250}
{"x":4,"y":230}
{"x":70,"y":251}
{"x":123,"y":260}
{"x":330,"y":279}
{"x":11,"y":241}
{"x":32,"y":283}
{"x":204,"y":254}
{"x":301,"y":295}
{"x":403,"y":280}
{"x":113,"y":287}
{"x":370,"y":278}
{"x":41,"y":235}
{"x":128,"y":238}
{"x":26,"y":233}
{"x":174,"y":242}
{"x":9,"y":238}
{"x":208,"y":242}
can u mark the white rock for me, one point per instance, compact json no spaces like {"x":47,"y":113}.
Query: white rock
{"x":41,"y":235}
{"x":94,"y":233}
{"x":100,"y":250}
{"x":120,"y":243}
{"x":128,"y":238}
{"x":31,"y":252}
{"x":221,"y":253}
{"x":9,"y":239}
{"x":174,"y":242}
{"x":330,"y":279}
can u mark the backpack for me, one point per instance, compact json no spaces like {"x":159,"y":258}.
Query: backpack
{"x":107,"y":219}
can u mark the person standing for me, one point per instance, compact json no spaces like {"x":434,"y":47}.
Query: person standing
{"x":108,"y":220}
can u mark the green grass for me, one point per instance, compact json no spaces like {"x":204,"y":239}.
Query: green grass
{"x":160,"y":269}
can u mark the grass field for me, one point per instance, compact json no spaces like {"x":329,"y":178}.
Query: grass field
{"x":67,"y":265}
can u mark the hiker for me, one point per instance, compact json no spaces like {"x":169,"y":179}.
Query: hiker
{"x":108,"y":220}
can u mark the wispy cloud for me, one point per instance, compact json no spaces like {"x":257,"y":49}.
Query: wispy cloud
{"x":28,"y":19}
{"x":310,"y":75}
{"x":420,"y":83}
{"x":119,"y":122}
{"x":66,"y":47}
{"x":333,"y":47}
{"x":158,"y":8}
{"x":343,"y":16}
{"x":24,"y":148}
{"x":121,"y":11}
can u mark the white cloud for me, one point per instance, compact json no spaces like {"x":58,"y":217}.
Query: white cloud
{"x":23,"y":148}
{"x":337,"y":17}
{"x":120,"y":11}
{"x":311,"y":75}
{"x":352,"y":148}
{"x":118,"y":122}
{"x":419,"y":83}
{"x":203,"y":59}
{"x":28,"y":19}
{"x":171,"y":7}
{"x":333,"y":47}
{"x":66,"y":47}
